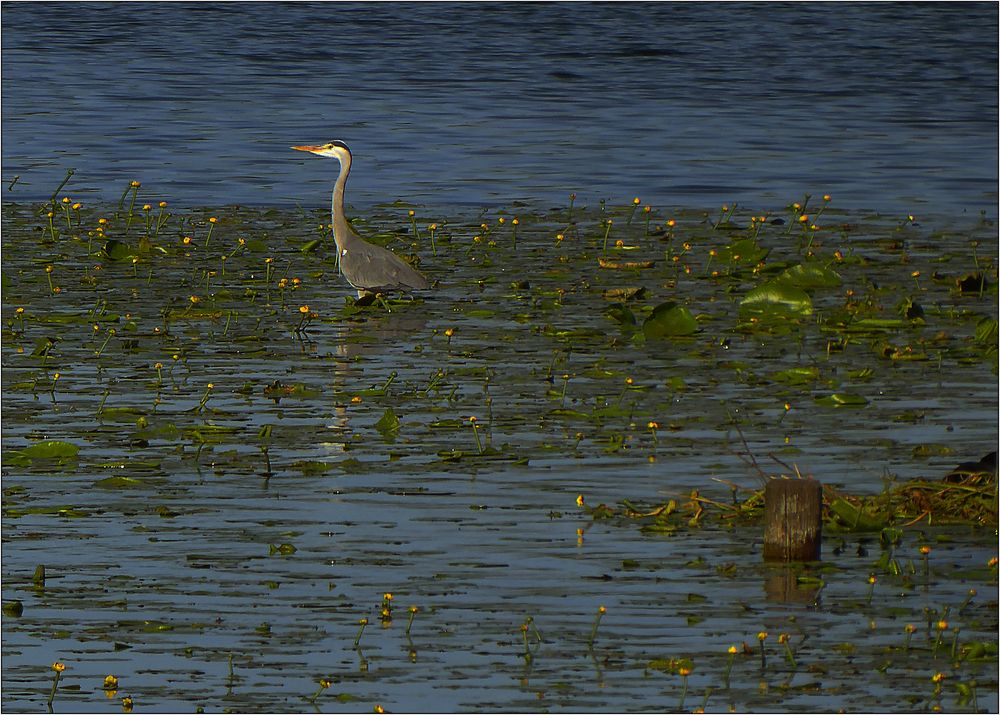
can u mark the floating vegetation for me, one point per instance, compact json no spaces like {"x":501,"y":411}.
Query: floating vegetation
{"x":959,"y":498}
{"x":230,"y":467}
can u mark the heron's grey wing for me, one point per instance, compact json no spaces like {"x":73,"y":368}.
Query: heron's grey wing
{"x":373,"y":267}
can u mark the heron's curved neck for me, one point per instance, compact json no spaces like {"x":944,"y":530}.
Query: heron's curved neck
{"x":341,"y":228}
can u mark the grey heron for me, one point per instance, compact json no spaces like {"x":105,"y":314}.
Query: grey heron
{"x":367,"y":267}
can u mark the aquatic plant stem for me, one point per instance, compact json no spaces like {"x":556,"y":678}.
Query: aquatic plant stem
{"x":968,"y":599}
{"x":475,"y":431}
{"x":52,"y":199}
{"x":607,"y":232}
{"x":729,"y":665}
{"x":601,"y":610}
{"x":323,"y":685}
{"x":65,"y":208}
{"x":941,"y":626}
{"x":635,"y":204}
{"x":58,"y":668}
{"x":134,"y":186}
{"x":413,"y":223}
{"x":211,"y":227}
{"x":789,"y":655}
{"x":361,"y":630}
{"x":111,"y":334}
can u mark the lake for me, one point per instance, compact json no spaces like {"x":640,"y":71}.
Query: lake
{"x":224,"y":465}
{"x":891,"y":107}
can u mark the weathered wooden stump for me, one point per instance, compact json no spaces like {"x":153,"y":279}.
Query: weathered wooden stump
{"x":793,"y":520}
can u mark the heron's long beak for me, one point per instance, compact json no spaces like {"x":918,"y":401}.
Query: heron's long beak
{"x":313,"y":149}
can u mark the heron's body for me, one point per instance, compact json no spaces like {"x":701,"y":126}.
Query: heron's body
{"x":367,"y":267}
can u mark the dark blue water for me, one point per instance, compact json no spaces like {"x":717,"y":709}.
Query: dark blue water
{"x":885,"y":106}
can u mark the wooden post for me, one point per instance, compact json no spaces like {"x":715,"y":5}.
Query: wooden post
{"x":793,"y":516}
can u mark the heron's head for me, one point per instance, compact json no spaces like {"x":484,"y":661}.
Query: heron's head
{"x":335,"y":149}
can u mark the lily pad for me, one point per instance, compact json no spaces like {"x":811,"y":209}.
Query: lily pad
{"x":388,"y":425}
{"x":777,"y":298}
{"x":810,"y":275}
{"x":669,"y":320}
{"x":842,"y":399}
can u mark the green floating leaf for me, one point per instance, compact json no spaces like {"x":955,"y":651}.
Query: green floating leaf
{"x":346,"y":698}
{"x":797,"y":375}
{"x":283,"y":549}
{"x":480,"y":312}
{"x":450,"y":423}
{"x":121,"y":413}
{"x":809,"y":275}
{"x":14,"y":608}
{"x":571,"y":414}
{"x":168,"y":431}
{"x":67,"y":512}
{"x":842,"y":399}
{"x":311,"y":246}
{"x":50,"y":449}
{"x":118,"y":483}
{"x":869,"y":325}
{"x":42,"y":346}
{"x":744,"y":251}
{"x":851,"y":517}
{"x":778,"y":298}
{"x":676,"y":383}
{"x":621,"y":314}
{"x":313,"y":468}
{"x":210,"y":434}
{"x":117,"y":251}
{"x":986,"y":331}
{"x":669,"y":320}
{"x":388,"y":425}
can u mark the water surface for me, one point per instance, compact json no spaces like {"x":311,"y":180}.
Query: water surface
{"x":886,"y":106}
